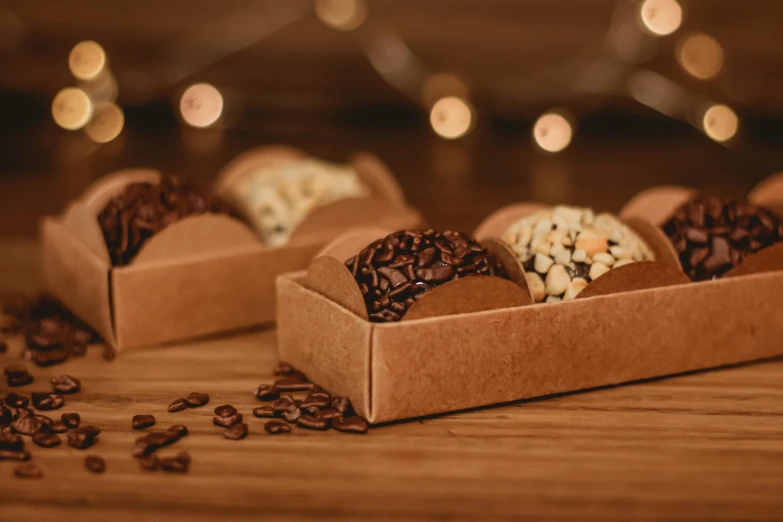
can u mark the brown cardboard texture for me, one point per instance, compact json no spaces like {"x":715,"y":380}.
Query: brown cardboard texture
{"x":656,"y":204}
{"x":769,"y":192}
{"x":506,"y":257}
{"x":352,"y":242}
{"x":199,"y":276}
{"x":639,"y":321}
{"x":635,"y":276}
{"x":331,"y":278}
{"x":655,"y":238}
{"x":467,"y":295}
{"x":496,"y":223}
{"x":768,"y":259}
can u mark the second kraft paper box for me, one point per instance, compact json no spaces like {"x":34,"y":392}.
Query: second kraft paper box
{"x":203,"y":274}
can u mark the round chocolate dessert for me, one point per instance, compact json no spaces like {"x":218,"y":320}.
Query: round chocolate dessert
{"x":564,"y":248}
{"x":712,"y":235}
{"x":395,"y":271}
{"x":143,"y":209}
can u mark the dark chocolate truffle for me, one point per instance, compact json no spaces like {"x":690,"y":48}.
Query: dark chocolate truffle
{"x":143,"y":209}
{"x":713,"y":235}
{"x":395,"y":271}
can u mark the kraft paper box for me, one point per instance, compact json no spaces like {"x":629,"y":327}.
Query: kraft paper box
{"x":203,"y":274}
{"x":635,"y":322}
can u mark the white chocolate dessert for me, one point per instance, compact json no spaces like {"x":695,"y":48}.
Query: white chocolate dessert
{"x":564,"y":248}
{"x":277,"y":198}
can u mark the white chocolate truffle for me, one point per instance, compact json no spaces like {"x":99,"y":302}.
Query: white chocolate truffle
{"x":277,"y":198}
{"x":567,"y":247}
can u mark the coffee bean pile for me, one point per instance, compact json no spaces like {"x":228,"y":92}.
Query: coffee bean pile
{"x":712,"y":235}
{"x":52,"y":333}
{"x":393,"y":272}
{"x":142,"y":210}
{"x":17,"y":420}
{"x":317,"y":411}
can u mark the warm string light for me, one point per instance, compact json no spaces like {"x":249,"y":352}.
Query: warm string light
{"x":661,"y":17}
{"x":343,"y":15}
{"x":700,"y":55}
{"x":87,"y":60}
{"x":106,"y":123}
{"x":720,"y":123}
{"x":451,"y":117}
{"x":90,"y":106}
{"x":552,"y":132}
{"x":201,"y":105}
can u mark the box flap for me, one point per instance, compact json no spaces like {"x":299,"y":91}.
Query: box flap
{"x":498,"y":222}
{"x":97,"y":195}
{"x":635,"y":276}
{"x":349,"y":244}
{"x":328,"y":343}
{"x":768,"y":259}
{"x":657,"y":204}
{"x":332,"y":279}
{"x":197,"y":235}
{"x":769,"y":192}
{"x":77,"y":276}
{"x":83,"y":224}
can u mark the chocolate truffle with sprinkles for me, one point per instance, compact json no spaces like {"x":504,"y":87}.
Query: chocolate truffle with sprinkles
{"x":712,"y":235}
{"x":393,"y":272}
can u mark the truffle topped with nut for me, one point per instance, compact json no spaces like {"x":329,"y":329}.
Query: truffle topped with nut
{"x":276,"y":198}
{"x":564,"y":248}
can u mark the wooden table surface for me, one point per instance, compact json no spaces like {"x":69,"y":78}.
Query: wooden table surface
{"x":706,"y":446}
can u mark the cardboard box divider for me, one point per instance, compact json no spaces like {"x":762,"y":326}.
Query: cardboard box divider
{"x":637,"y":321}
{"x":202,"y":275}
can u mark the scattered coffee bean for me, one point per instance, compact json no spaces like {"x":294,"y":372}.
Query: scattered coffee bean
{"x":236,"y":432}
{"x":28,"y":471}
{"x":264,"y":411}
{"x":14,"y":400}
{"x":109,"y":353}
{"x":84,"y":437}
{"x":95,"y":463}
{"x":395,"y":271}
{"x":71,"y":420}
{"x":177,"y":464}
{"x":179,"y":429}
{"x":343,"y":405}
{"x":318,"y":393}
{"x":26,"y":423}
{"x":59,"y":427}
{"x":712,"y":235}
{"x":143,"y":421}
{"x":295,"y":383}
{"x":226,"y":422}
{"x":316,"y":402}
{"x":310,"y":410}
{"x":48,"y":422}
{"x":313,"y":423}
{"x":65,"y":384}
{"x":329,"y":414}
{"x":178,"y":405}
{"x":292,"y":416}
{"x":17,"y":375}
{"x":3,"y":345}
{"x":48,"y":358}
{"x":19,"y":456}
{"x":274,"y":427}
{"x":6,"y":415}
{"x":226,"y":416}
{"x":350,"y":424}
{"x":286,"y":403}
{"x":195,"y":400}
{"x":48,"y":401}
{"x":155,"y":440}
{"x":46,"y":439}
{"x":149,"y":463}
{"x":267,"y":392}
{"x":11,"y":442}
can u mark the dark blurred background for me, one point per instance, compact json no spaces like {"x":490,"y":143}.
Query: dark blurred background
{"x":472,"y":104}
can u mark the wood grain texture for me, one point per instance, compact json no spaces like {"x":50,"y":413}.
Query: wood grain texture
{"x":706,"y":446}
